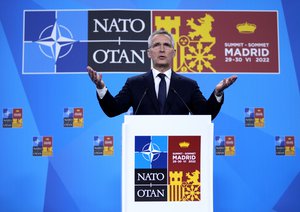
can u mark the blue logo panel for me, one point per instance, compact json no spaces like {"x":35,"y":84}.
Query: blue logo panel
{"x":55,"y":41}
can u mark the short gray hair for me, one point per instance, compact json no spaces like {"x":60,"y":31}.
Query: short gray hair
{"x":160,"y":32}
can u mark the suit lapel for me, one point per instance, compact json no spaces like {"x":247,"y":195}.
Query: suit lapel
{"x":149,"y":82}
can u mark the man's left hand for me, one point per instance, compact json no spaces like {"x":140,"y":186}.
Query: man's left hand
{"x":225,"y":83}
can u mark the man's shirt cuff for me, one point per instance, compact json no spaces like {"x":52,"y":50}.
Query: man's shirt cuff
{"x":101,"y":92}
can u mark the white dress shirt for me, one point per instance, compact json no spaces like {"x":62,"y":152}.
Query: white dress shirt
{"x":157,"y":79}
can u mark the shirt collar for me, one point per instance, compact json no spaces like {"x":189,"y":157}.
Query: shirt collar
{"x":168,"y":73}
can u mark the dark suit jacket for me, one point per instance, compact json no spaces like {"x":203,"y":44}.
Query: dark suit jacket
{"x":135,"y":87}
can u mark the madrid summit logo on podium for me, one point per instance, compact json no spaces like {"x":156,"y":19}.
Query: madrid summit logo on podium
{"x":167,"y":168}
{"x":66,"y":41}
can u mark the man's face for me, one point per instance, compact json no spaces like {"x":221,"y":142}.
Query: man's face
{"x":161,"y":52}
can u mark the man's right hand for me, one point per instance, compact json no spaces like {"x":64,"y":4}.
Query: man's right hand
{"x":96,"y":77}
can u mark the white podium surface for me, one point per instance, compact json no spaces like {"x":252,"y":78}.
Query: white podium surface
{"x":157,"y":163}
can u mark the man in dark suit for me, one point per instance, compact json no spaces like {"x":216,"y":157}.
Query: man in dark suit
{"x":160,"y":90}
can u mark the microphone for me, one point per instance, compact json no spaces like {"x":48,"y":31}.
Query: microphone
{"x":177,"y":94}
{"x":138,"y":107}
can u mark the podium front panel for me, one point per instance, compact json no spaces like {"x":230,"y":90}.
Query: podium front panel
{"x":167,"y":163}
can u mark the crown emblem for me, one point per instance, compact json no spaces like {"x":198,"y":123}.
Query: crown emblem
{"x":246,"y":28}
{"x":184,"y":144}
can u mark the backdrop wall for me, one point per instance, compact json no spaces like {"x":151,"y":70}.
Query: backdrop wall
{"x":255,"y":178}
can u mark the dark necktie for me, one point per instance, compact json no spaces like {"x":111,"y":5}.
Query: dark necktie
{"x":162,"y":92}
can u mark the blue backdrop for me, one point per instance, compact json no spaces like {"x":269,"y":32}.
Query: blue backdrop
{"x":73,"y":179}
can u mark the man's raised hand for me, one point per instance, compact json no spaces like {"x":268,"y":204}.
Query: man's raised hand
{"x":96,"y":77}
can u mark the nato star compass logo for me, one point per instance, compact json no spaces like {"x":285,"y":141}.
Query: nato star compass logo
{"x":151,"y":152}
{"x":53,"y":42}
{"x":58,"y":44}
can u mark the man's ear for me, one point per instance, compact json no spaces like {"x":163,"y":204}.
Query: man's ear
{"x":174,"y":53}
{"x":148,"y":53}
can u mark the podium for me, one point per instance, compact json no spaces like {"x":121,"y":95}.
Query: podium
{"x":167,"y":163}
